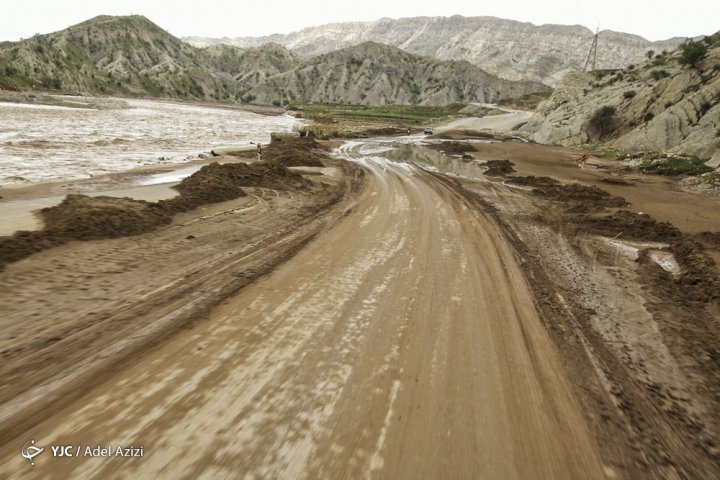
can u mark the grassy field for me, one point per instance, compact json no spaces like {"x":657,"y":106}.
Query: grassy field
{"x":400,"y":113}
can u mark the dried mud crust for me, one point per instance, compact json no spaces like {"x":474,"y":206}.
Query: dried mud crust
{"x":670,"y":429}
{"x":81,"y":217}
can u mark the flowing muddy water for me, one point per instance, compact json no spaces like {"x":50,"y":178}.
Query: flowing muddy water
{"x":40,"y":143}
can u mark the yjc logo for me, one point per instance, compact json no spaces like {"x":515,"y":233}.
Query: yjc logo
{"x":30,"y":451}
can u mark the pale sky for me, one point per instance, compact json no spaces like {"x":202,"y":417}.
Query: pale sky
{"x":654,"y":20}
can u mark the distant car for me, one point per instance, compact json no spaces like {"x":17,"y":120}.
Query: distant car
{"x":428,"y":130}
{"x":480,"y":115}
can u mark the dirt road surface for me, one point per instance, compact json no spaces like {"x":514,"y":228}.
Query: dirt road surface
{"x":504,"y":122}
{"x":403,"y":342}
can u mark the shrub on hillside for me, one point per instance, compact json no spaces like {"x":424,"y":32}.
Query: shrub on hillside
{"x":603,"y":121}
{"x":629,"y":93}
{"x":658,"y":74}
{"x":692,"y":53}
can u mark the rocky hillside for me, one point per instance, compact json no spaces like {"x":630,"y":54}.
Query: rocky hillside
{"x":662,"y":105}
{"x":133,"y":56}
{"x":506,"y":48}
{"x":375,"y":74}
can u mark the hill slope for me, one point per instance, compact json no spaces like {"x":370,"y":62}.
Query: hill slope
{"x":660,"y":105}
{"x":126,"y":55}
{"x":506,"y":48}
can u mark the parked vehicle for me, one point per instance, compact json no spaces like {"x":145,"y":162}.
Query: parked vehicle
{"x":428,"y":131}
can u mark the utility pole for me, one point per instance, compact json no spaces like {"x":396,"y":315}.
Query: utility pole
{"x":592,"y":54}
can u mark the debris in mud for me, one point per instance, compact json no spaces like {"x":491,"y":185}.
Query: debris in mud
{"x":709,"y":239}
{"x":453,"y":148}
{"x":498,"y":168}
{"x":532,"y":181}
{"x":628,"y":225}
{"x":616,"y":181}
{"x":580,"y":197}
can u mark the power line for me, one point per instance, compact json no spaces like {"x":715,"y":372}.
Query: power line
{"x":593,"y":51}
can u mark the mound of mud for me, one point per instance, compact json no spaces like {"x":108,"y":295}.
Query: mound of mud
{"x":498,"y":168}
{"x":378,"y":132}
{"x":699,"y":279}
{"x":630,"y":225}
{"x":617,"y":181}
{"x":88,"y":218}
{"x":587,"y":197}
{"x":296,"y":152}
{"x":211,"y":184}
{"x":80,"y":217}
{"x":453,"y":148}
{"x":709,"y":239}
{"x":462,"y":134}
{"x":532,"y":181}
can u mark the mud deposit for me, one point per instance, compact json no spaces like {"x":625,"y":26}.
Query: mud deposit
{"x":296,"y":152}
{"x":81,"y":217}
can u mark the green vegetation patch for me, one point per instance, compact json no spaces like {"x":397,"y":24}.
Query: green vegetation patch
{"x":672,"y":166}
{"x":420,"y":113}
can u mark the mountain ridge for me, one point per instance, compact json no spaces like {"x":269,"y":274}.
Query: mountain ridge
{"x":133,"y":56}
{"x":506,"y":48}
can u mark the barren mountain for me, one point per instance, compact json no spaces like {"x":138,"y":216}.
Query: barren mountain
{"x":133,"y":56}
{"x":371,"y":73}
{"x":506,"y":48}
{"x":663,"y":104}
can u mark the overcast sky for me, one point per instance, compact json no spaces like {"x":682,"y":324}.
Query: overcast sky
{"x":654,"y":20}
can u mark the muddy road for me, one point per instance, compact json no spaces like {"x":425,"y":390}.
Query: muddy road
{"x":401,"y":342}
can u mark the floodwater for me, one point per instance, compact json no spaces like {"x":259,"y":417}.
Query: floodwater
{"x":41,"y":143}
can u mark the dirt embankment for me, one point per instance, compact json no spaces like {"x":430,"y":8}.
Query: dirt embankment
{"x":81,"y":217}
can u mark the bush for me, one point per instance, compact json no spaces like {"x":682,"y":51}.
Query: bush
{"x":658,"y":74}
{"x":648,"y":116}
{"x":676,"y":166}
{"x":650,"y":54}
{"x":629,"y":93}
{"x":692,"y":53}
{"x":704,"y":108}
{"x":603,"y":121}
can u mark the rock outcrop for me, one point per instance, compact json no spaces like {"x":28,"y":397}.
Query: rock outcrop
{"x":660,"y":105}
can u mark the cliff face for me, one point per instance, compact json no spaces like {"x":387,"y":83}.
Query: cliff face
{"x":506,"y":48}
{"x":660,"y":105}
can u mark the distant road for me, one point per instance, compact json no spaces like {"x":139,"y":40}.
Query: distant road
{"x":499,"y":123}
